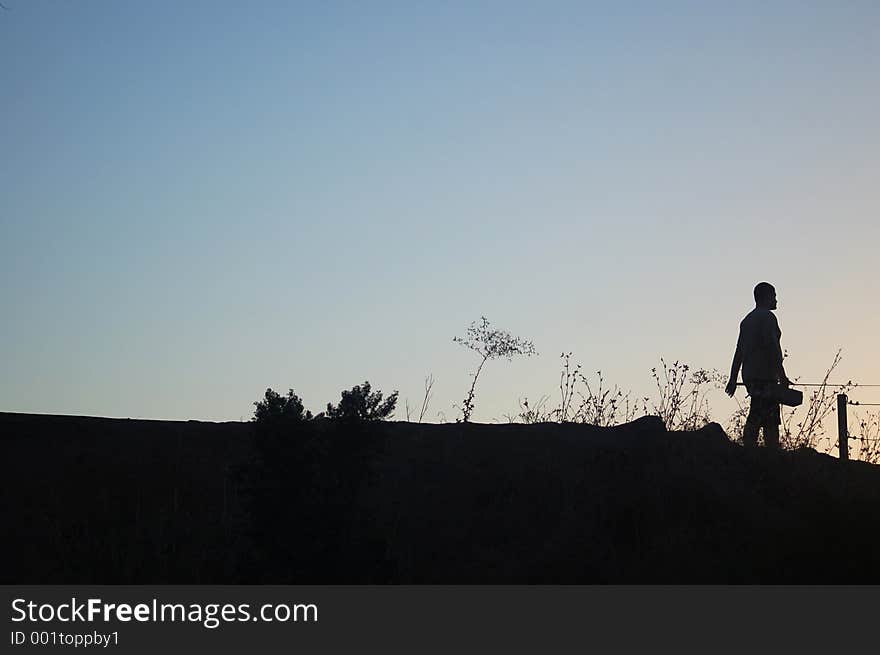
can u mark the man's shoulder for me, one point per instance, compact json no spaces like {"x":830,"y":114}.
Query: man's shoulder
{"x":751,"y":317}
{"x":760,"y":314}
{"x":766,"y":316}
{"x":757,"y":317}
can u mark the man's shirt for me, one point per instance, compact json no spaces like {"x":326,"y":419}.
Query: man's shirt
{"x":758,"y":343}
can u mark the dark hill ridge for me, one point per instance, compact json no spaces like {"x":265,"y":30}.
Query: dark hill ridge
{"x":130,"y":501}
{"x":91,"y":499}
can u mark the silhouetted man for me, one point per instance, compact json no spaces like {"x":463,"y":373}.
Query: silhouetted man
{"x":759,"y":353}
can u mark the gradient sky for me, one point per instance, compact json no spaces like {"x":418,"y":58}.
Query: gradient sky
{"x":199,"y":200}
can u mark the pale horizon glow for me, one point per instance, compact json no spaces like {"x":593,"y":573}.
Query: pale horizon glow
{"x":202,"y":200}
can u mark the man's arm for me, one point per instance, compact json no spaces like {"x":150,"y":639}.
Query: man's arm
{"x":777,"y":353}
{"x":734,"y":367}
{"x":783,"y":378}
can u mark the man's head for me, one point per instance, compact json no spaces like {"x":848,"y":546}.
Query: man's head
{"x":765,"y":295}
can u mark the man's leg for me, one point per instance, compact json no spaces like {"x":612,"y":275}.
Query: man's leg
{"x":750,"y":432}
{"x":753,"y":420}
{"x":771,"y":426}
{"x":771,"y":436}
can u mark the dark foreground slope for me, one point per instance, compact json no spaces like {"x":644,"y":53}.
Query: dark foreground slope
{"x":116,"y":500}
{"x":120,"y":501}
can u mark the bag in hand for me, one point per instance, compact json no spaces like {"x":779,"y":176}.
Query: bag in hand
{"x":788,"y":396}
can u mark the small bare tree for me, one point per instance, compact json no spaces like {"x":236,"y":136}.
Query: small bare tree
{"x":489,"y":344}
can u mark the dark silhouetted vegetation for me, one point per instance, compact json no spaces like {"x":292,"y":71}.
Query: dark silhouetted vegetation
{"x":600,"y":489}
{"x":302,"y":483}
{"x":489,"y":344}
{"x":275,"y":408}
{"x":681,"y":395}
{"x":137,"y":502}
{"x":582,"y":401}
{"x":359,"y":405}
{"x":426,"y":400}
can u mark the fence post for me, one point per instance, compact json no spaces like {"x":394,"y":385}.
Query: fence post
{"x":842,"y":434}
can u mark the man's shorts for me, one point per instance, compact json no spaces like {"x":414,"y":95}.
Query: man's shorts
{"x":764,"y":408}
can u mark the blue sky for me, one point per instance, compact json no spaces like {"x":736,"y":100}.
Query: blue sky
{"x":199,"y":200}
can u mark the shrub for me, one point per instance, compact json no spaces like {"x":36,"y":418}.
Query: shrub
{"x":681,"y":398}
{"x":867,"y":437}
{"x":359,"y":405}
{"x":275,"y":408}
{"x":598,"y":405}
{"x":809,"y":432}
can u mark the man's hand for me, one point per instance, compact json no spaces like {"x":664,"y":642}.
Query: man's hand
{"x":730,"y":389}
